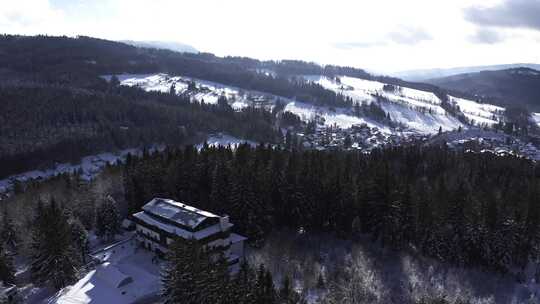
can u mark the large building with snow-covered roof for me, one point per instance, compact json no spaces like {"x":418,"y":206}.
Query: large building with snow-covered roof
{"x":161,"y":220}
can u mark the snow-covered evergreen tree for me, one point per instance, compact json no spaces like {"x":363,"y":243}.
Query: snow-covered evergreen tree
{"x":53,"y":258}
{"x":193,"y":276}
{"x":107,"y":220}
{"x":79,"y":236}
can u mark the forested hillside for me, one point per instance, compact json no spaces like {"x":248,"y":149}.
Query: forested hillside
{"x":468,"y":209}
{"x":56,"y":107}
{"x":517,"y":87}
{"x":41,"y":125}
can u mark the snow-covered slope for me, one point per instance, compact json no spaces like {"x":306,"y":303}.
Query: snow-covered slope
{"x":479,"y":113}
{"x":209,"y":92}
{"x":205,"y":91}
{"x":331,"y":117}
{"x":418,"y":110}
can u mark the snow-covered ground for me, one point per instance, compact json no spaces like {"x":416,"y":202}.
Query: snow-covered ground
{"x":418,"y":110}
{"x":89,"y":167}
{"x":479,"y":113}
{"x":336,"y":117}
{"x":92,"y":165}
{"x":239,"y":98}
{"x":100,"y":285}
{"x":384,"y":275}
{"x":424,"y":123}
{"x":206,"y":91}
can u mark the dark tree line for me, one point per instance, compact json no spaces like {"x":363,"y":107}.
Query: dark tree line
{"x":463,"y":208}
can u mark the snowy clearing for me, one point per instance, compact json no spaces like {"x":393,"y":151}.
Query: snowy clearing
{"x":225,"y":140}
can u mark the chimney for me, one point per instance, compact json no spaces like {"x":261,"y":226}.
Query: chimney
{"x":224,"y":222}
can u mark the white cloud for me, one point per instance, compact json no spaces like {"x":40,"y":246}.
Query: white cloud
{"x":400,"y":34}
{"x":30,"y":17}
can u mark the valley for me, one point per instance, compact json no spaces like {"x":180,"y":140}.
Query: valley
{"x":346,"y":187}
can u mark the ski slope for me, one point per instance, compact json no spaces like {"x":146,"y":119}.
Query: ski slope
{"x":209,"y":92}
{"x":336,"y":117}
{"x":418,"y":110}
{"x":479,"y":113}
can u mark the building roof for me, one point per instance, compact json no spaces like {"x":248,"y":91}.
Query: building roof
{"x":112,"y":275}
{"x":198,"y":235}
{"x":235,"y":238}
{"x":177,"y":212}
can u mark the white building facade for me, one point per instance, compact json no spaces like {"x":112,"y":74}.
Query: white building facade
{"x":161,"y":220}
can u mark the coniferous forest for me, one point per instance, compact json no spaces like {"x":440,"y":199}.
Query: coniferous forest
{"x":462,"y":208}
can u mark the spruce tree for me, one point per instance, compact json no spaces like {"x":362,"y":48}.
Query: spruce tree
{"x":53,"y":259}
{"x":79,"y":236}
{"x":107,"y":220}
{"x":243,"y":285}
{"x":219,"y":195}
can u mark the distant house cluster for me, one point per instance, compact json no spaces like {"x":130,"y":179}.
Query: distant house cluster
{"x":161,"y":220}
{"x":359,"y":137}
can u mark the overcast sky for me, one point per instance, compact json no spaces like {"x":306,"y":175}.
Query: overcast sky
{"x":380,"y":35}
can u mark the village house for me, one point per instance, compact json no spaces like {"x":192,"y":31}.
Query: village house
{"x":161,"y":220}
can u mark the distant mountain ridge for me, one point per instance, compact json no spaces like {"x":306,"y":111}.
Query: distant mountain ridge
{"x":166,"y":45}
{"x":426,"y":74}
{"x":517,"y":86}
